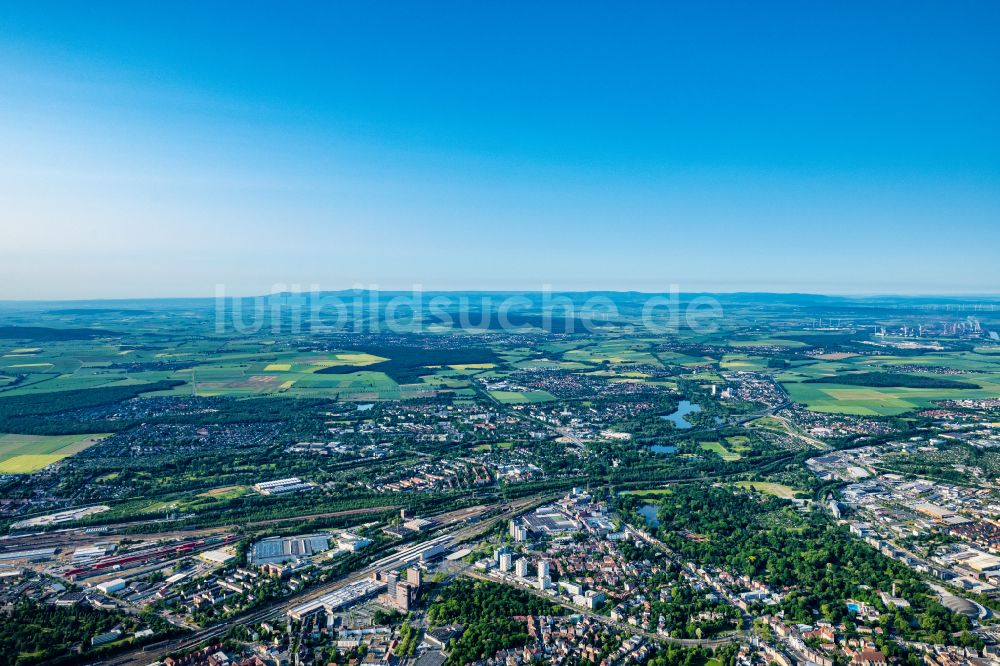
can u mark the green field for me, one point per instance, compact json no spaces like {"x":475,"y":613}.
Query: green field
{"x":226,"y":492}
{"x":722,"y":451}
{"x":882,"y":401}
{"x":521,"y":397}
{"x":613,"y":352}
{"x":235,"y":369}
{"x":197,"y":502}
{"x":742,"y":362}
{"x":652,"y":492}
{"x":766,"y":423}
{"x":23,"y":454}
{"x":776,"y":489}
{"x":768,"y":342}
{"x":844,"y":398}
{"x":473,"y":367}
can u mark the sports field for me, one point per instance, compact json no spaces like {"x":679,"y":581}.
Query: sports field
{"x":23,"y":454}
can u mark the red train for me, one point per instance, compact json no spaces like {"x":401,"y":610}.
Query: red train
{"x":145,"y":555}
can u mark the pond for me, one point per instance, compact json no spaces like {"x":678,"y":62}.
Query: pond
{"x":648,"y":511}
{"x":683,"y":409}
{"x":663,"y":448}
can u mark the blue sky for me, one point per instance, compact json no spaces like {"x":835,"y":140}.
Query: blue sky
{"x":839,"y":147}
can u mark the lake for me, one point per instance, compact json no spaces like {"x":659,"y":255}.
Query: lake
{"x":648,"y":511}
{"x":663,"y":448}
{"x":683,"y":409}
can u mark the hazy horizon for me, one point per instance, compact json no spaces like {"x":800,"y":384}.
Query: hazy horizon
{"x":386,"y":291}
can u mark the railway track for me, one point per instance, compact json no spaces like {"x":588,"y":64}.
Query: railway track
{"x":144,"y":657}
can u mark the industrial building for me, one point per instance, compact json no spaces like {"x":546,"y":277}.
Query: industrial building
{"x":331,"y":603}
{"x":276,"y":550}
{"x":282,"y":486}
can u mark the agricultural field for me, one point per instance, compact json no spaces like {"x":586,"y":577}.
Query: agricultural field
{"x":549,"y":364}
{"x":685,"y":360}
{"x":882,"y":401}
{"x":521,"y":397}
{"x":238,"y":369}
{"x":613,"y":351}
{"x":23,"y":454}
{"x":815,"y":385}
{"x":768,"y":342}
{"x":742,"y":362}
